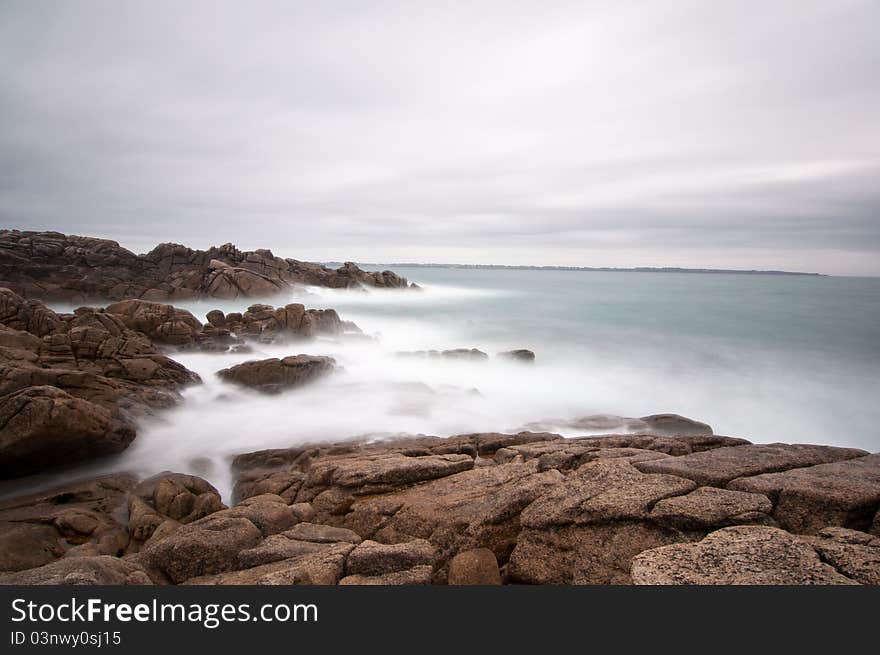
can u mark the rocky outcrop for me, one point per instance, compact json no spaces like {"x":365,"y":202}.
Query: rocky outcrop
{"x":274,"y":375}
{"x":485,"y":508}
{"x":57,"y":267}
{"x":70,"y":383}
{"x":163,"y":324}
{"x":167,"y":325}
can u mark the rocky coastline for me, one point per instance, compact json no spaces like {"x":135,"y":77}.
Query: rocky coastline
{"x":656,"y":500}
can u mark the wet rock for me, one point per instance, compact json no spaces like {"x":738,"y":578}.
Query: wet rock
{"x":44,"y":426}
{"x":273,"y":375}
{"x":844,"y":493}
{"x":99,"y":570}
{"x":519,"y":355}
{"x":754,"y":555}
{"x":477,"y":566}
{"x":719,"y":466}
{"x":674,"y":425}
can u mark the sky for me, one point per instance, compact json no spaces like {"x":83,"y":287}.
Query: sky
{"x":715,"y":134}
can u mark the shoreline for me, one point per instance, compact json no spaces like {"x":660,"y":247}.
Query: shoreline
{"x":665,"y":502}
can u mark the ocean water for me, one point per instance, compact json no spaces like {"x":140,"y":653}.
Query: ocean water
{"x":768,"y":358}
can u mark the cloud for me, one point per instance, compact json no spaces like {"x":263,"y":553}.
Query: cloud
{"x":607,"y":133}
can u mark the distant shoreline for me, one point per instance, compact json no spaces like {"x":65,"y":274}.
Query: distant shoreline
{"x":607,"y":269}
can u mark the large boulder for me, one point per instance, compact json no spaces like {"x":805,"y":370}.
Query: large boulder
{"x":45,"y":426}
{"x":274,"y":375}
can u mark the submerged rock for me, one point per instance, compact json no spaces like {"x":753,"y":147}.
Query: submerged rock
{"x":520,"y":355}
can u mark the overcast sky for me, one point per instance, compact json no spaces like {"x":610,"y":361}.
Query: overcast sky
{"x":664,"y":133}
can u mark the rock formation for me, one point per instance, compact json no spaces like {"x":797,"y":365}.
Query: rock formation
{"x":57,"y":267}
{"x":484,"y":508}
{"x":70,"y":384}
{"x":274,"y":375}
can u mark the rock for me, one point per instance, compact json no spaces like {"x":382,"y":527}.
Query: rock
{"x":58,"y":267}
{"x":477,"y":566}
{"x":167,"y":500}
{"x":754,"y":555}
{"x":844,"y":493}
{"x":603,"y":491}
{"x":99,"y":570}
{"x":164,"y":324}
{"x":43,"y":426}
{"x":471,"y":509}
{"x":667,"y":425}
{"x":209,"y":545}
{"x":279,"y":547}
{"x":674,"y":425}
{"x":38,"y":528}
{"x":520,"y":355}
{"x":371,"y":558}
{"x":323,"y":567}
{"x":418,"y":575}
{"x":371,"y":472}
{"x":708,"y":507}
{"x":270,"y":513}
{"x":111,"y":372}
{"x":719,"y":466}
{"x":25,"y":546}
{"x":322,"y":534}
{"x":273,"y":375}
{"x":586,"y":554}
{"x":853,"y":554}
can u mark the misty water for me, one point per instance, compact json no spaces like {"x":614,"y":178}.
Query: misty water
{"x":768,"y":358}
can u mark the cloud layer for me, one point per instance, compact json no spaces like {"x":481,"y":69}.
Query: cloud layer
{"x":726,"y":134}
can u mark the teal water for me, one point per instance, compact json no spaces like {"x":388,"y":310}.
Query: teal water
{"x":768,"y":358}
